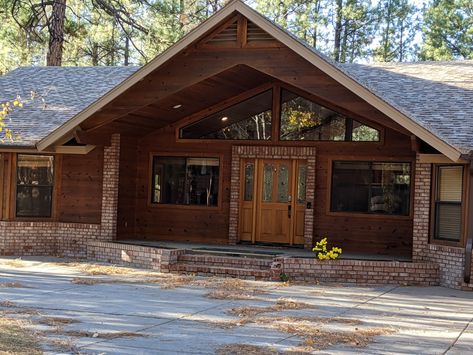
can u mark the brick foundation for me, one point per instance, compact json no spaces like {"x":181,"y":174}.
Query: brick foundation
{"x":297,"y":269}
{"x":361,"y":271}
{"x":450,"y":259}
{"x":271,"y":152}
{"x":67,"y":239}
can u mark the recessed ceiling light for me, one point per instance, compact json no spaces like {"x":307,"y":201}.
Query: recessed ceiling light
{"x":177,"y":106}
{"x":224,"y":118}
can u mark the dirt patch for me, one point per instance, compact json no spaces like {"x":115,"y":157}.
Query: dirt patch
{"x":238,"y":349}
{"x":57,"y":321}
{"x":90,"y":334}
{"x":7,"y":304}
{"x":16,"y":338}
{"x":281,"y":304}
{"x":12,"y":285}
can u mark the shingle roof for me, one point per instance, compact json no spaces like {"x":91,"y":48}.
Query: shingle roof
{"x":437,"y":95}
{"x":63,"y":91}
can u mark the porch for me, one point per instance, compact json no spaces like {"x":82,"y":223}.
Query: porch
{"x":263,"y":263}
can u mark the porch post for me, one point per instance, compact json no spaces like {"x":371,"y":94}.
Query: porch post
{"x":469,"y":229}
{"x":111,"y":165}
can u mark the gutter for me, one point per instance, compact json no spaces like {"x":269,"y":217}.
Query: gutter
{"x":469,"y":229}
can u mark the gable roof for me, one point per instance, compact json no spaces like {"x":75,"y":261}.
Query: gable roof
{"x":350,"y":76}
{"x":62,"y":92}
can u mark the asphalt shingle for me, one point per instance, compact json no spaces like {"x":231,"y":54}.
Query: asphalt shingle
{"x":62,"y":92}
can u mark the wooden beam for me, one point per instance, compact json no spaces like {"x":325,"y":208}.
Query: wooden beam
{"x":71,"y":149}
{"x":438,"y":159}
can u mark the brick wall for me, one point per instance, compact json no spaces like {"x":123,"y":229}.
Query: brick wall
{"x":360,"y":271}
{"x":271,"y":152}
{"x":133,"y":255}
{"x":450,"y":259}
{"x":67,"y":239}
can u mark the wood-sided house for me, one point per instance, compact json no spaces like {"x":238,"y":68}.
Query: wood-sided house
{"x":241,"y":134}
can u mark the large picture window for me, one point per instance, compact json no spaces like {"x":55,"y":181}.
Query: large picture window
{"x":34,"y":185}
{"x":371,"y":187}
{"x":448,"y":203}
{"x":185,"y":181}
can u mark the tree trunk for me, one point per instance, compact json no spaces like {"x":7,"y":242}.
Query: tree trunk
{"x":56,"y":33}
{"x":338,"y":30}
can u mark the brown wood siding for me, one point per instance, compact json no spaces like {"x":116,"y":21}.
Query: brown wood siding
{"x":80,"y":196}
{"x":354,"y":233}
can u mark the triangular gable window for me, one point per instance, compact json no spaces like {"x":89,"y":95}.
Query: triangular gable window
{"x":247,"y":120}
{"x":302,"y":119}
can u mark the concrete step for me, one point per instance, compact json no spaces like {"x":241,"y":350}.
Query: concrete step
{"x":226,"y":261}
{"x":467,"y":287}
{"x":222,"y":271}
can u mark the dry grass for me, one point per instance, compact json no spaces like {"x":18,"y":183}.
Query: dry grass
{"x":89,"y":334}
{"x":7,"y":304}
{"x":20,"y":311}
{"x":247,"y":349}
{"x":11,"y":285}
{"x":86,"y":281}
{"x":57,"y":321}
{"x":281,"y":304}
{"x":16,"y":338}
{"x":230,"y":289}
{"x":16,"y":263}
{"x":63,"y":346}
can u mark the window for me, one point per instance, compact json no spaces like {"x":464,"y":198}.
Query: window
{"x":34,"y":185}
{"x":302,"y":119}
{"x":185,"y":181}
{"x":371,"y":187}
{"x":247,"y":120}
{"x":448,"y":203}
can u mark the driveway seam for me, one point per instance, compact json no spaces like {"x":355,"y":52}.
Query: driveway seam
{"x":458,"y":337}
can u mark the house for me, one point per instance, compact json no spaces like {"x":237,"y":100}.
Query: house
{"x":241,"y":134}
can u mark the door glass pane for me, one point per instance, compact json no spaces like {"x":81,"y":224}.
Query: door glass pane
{"x":301,"y":183}
{"x":268,"y":183}
{"x":249,"y":181}
{"x":283,"y":183}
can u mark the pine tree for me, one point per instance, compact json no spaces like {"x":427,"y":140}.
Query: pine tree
{"x":448,"y":30}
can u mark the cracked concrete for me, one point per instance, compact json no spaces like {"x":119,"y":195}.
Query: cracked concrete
{"x":431,"y":320}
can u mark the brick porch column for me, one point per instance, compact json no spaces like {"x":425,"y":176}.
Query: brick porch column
{"x":111,"y":165}
{"x":420,"y":232}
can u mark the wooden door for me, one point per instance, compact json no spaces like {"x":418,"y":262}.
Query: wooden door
{"x":272,"y":207}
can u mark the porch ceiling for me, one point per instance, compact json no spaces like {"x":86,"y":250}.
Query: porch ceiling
{"x":192,"y":99}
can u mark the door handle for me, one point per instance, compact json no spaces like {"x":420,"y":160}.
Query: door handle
{"x":289,"y":210}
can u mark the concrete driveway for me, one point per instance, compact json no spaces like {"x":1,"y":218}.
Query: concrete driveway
{"x":70,"y":308}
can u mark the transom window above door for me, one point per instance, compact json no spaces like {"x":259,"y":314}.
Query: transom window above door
{"x":296,"y":119}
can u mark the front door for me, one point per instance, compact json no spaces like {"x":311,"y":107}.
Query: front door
{"x":273,"y":201}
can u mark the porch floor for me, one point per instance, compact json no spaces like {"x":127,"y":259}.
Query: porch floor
{"x":269,"y":251}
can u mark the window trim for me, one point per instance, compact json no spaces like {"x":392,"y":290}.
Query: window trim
{"x":380,"y":159}
{"x":54,"y":192}
{"x":186,"y":154}
{"x":433,"y":207}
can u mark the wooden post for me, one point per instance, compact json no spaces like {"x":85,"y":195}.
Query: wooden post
{"x":469,"y":228}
